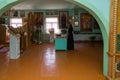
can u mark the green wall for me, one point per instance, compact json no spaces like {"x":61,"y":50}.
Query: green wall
{"x":71,"y":12}
{"x":103,"y":9}
{"x":98,"y":8}
{"x":6,"y":4}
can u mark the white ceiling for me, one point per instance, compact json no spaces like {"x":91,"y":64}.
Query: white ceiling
{"x":43,"y":4}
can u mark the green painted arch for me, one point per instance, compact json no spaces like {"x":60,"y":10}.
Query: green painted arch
{"x":102,"y":21}
{"x":7,"y":4}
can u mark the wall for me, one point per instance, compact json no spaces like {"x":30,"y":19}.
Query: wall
{"x":6,"y":4}
{"x":71,"y":12}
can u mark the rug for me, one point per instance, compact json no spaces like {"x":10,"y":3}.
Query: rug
{"x":4,"y":50}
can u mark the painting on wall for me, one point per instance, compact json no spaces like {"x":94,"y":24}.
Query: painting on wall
{"x":69,"y":19}
{"x":38,"y":17}
{"x":6,"y":13}
{"x":2,"y":20}
{"x":63,"y":15}
{"x":15,"y":14}
{"x":96,"y":26}
{"x":22,"y":14}
{"x":85,"y":22}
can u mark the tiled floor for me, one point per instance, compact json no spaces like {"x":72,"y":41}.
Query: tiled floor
{"x":42,"y":62}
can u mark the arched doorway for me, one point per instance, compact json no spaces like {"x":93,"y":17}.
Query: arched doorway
{"x":100,"y":22}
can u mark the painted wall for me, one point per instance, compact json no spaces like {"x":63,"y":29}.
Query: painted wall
{"x":6,"y":4}
{"x":103,"y":10}
{"x":71,"y":12}
{"x":99,"y":9}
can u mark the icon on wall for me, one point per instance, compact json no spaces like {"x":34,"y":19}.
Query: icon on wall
{"x":15,"y":14}
{"x":63,"y":19}
{"x":2,"y":20}
{"x":86,"y":22}
{"x":22,"y":14}
{"x":96,"y":26}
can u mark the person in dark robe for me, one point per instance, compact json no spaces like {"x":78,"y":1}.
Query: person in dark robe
{"x":70,"y":41}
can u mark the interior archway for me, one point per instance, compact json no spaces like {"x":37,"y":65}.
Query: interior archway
{"x":97,"y":17}
{"x":100,"y":19}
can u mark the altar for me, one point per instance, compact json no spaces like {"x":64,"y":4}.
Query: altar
{"x":61,"y":42}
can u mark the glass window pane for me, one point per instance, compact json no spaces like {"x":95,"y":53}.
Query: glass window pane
{"x":16,"y":20}
{"x":52,"y":23}
{"x":51,"y":20}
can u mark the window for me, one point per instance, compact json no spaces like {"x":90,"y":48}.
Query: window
{"x":52,"y":23}
{"x":16,"y":22}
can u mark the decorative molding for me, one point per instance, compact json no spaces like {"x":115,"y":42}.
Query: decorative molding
{"x":113,"y":25}
{"x":113,"y":54}
{"x":113,"y":39}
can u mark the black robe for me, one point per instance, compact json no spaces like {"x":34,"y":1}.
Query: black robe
{"x":70,"y":42}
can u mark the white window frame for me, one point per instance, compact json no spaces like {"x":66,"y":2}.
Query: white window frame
{"x":55,"y":31}
{"x":16,"y":22}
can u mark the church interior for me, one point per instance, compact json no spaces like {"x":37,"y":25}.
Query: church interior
{"x":34,"y":40}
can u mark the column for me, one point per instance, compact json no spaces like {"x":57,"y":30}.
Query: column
{"x":14,"y":46}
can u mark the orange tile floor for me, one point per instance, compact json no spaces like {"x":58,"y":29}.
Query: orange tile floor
{"x":42,"y":62}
